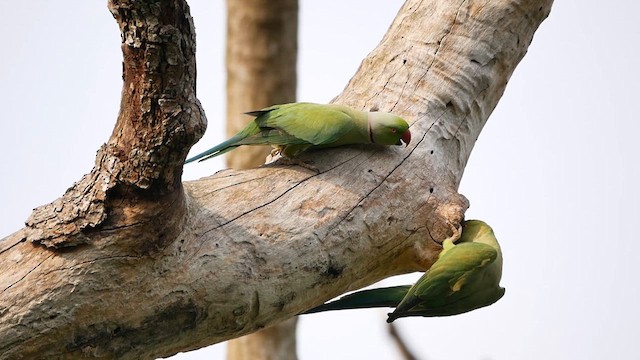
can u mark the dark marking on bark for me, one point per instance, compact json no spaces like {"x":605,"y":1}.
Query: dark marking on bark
{"x":114,"y":340}
{"x":334,"y":270}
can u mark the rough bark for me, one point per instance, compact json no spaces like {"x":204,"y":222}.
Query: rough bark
{"x":262,"y":46}
{"x":137,"y":172}
{"x":159,"y":270}
{"x":262,"y":42}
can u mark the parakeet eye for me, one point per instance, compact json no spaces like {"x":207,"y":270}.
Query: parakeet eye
{"x":394,"y":131}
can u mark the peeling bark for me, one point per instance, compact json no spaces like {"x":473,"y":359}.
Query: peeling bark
{"x":159,"y":270}
{"x":137,"y":172}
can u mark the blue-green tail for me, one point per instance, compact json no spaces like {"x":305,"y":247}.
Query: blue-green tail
{"x":216,"y":150}
{"x":228,"y":145}
{"x":381,"y":297}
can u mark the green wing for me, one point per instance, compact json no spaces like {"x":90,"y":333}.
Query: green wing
{"x":449,"y":274}
{"x":452,"y":271}
{"x":310,"y":123}
{"x":271,"y":137}
{"x":460,"y":281}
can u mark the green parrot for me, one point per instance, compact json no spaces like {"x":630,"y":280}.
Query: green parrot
{"x":293,"y":128}
{"x":465,"y":277}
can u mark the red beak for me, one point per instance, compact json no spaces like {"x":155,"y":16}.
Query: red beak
{"x":406,"y":138}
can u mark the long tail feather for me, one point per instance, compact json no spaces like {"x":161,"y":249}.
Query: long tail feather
{"x":381,"y":297}
{"x":217,"y":150}
{"x":227,"y":145}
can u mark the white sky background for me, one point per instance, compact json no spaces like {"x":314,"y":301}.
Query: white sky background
{"x":555,"y":170}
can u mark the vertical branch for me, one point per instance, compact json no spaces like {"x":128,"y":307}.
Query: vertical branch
{"x":276,"y":342}
{"x":262,"y":49}
{"x":262,"y":46}
{"x":137,"y":172}
{"x":404,"y":350}
{"x":160,"y":116}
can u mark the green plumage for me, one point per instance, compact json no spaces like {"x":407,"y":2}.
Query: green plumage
{"x":465,"y":277}
{"x":381,"y":297}
{"x":293,"y":128}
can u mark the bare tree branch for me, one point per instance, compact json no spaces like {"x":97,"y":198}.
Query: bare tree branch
{"x":147,"y":270}
{"x":400,"y":343}
{"x":160,"y":118}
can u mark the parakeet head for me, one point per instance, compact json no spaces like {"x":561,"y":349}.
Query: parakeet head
{"x":388,"y":129}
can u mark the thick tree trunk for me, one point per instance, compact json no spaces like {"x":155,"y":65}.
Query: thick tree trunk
{"x":262,"y":42}
{"x":127,"y":265}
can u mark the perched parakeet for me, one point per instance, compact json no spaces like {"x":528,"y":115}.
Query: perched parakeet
{"x":465,"y":277}
{"x":293,"y":128}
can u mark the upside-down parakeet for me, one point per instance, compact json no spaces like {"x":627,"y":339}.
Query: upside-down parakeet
{"x":293,"y":128}
{"x":465,"y":277}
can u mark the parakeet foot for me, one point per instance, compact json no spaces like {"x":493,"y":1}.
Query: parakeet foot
{"x":275,"y":152}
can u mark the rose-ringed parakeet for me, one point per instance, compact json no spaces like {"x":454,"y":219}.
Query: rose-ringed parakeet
{"x":465,"y":277}
{"x":293,"y":128}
